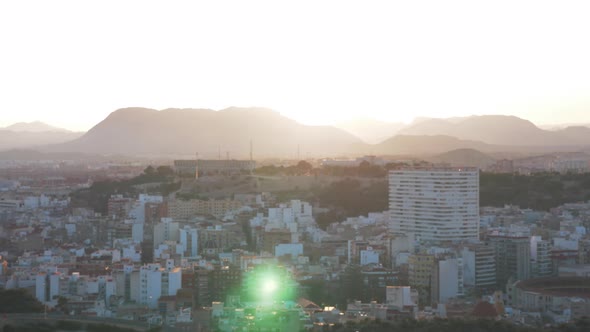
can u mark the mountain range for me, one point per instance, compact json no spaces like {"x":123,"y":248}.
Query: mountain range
{"x":501,"y":130}
{"x":211,"y":134}
{"x":228,"y":133}
{"x":464,"y":157}
{"x":33,"y":134}
{"x":370,"y":130}
{"x":35,"y":127}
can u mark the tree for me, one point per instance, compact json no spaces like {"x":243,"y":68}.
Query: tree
{"x":352,"y":285}
{"x":62,"y":304}
{"x":165,"y":171}
{"x":304,"y":167}
{"x":18,"y":301}
{"x":149,"y":170}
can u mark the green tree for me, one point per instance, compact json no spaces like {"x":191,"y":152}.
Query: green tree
{"x":62,"y":304}
{"x":165,"y":171}
{"x":149,"y":170}
{"x":18,"y":301}
{"x":304,"y":167}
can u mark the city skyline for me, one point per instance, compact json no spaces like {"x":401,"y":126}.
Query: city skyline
{"x":70,"y":64}
{"x":294,"y":166}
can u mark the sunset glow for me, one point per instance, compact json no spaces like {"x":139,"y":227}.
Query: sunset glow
{"x":71,"y":63}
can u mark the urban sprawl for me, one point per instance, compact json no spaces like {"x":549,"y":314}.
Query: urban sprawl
{"x":216,"y":245}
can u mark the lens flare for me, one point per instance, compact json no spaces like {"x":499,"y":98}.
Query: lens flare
{"x":269,"y":286}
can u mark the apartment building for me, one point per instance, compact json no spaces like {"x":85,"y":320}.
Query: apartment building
{"x":186,"y":209}
{"x":436,"y":204}
{"x":156,"y":281}
{"x":513,"y":257}
{"x":479,"y":265}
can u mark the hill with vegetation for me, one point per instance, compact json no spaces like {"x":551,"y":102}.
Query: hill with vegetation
{"x":162,"y":181}
{"x":464,"y":157}
{"x":541,"y":191}
{"x":351,"y":197}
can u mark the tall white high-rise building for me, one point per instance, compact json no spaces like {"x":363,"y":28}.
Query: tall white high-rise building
{"x":435,"y":204}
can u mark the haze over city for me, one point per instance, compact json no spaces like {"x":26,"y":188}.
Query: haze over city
{"x":317,"y":166}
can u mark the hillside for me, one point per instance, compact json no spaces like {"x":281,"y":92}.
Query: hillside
{"x":227,"y":133}
{"x":25,"y":139}
{"x":33,"y":155}
{"x":35,"y":127}
{"x":427,"y":144}
{"x":142,"y":131}
{"x":369,"y":130}
{"x":500,"y":130}
{"x":464,"y":157}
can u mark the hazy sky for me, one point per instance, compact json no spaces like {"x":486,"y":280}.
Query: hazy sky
{"x":71,"y":63}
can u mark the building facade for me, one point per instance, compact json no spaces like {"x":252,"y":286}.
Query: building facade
{"x":479,"y":266}
{"x":447,"y":280}
{"x":513,"y":257}
{"x":189,"y":239}
{"x":436,"y":204}
{"x":156,"y":281}
{"x":186,"y":209}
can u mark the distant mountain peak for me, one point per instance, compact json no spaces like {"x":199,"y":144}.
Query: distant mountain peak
{"x":371,"y":130}
{"x":34,"y":127}
{"x":249,"y":109}
{"x":493,"y":129}
{"x":132,"y":111}
{"x":252,"y":111}
{"x":186,"y":131}
{"x":464,"y":157}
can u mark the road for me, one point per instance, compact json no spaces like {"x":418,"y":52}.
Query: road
{"x":19,"y":319}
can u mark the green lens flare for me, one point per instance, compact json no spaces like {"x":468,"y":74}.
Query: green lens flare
{"x":268,"y":283}
{"x":269,"y":286}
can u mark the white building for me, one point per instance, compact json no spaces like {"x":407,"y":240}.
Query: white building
{"x":400,"y":246}
{"x":156,"y":281}
{"x":127,"y":283}
{"x":168,"y":250}
{"x":571,"y":164}
{"x":137,"y":211}
{"x":47,"y":288}
{"x":293,"y":249}
{"x":31,"y":202}
{"x":103,"y":286}
{"x":369,"y":256}
{"x":479,"y":266}
{"x":166,"y":230}
{"x":447,"y":280}
{"x":541,"y":263}
{"x":294,"y":212}
{"x":436,"y":204}
{"x":137,"y":232}
{"x":401,"y":296}
{"x":70,"y":229}
{"x":115,"y":254}
{"x":11,"y":205}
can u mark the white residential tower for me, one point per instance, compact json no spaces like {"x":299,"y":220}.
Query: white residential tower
{"x":435,"y":204}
